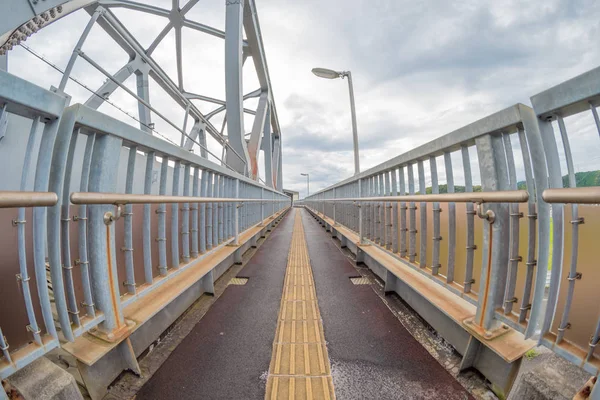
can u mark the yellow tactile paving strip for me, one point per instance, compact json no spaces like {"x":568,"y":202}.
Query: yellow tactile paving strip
{"x":300,"y":366}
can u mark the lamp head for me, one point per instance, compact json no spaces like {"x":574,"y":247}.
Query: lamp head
{"x":326,"y":73}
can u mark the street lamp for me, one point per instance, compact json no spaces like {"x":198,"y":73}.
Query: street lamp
{"x":307,"y":183}
{"x":331,"y":74}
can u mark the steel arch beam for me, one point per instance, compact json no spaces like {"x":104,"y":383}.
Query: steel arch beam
{"x":233,"y":86}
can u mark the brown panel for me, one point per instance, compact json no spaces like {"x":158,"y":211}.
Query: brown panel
{"x":522,"y":266}
{"x":13,"y":317}
{"x":74,"y":252}
{"x":585,"y":309}
{"x":445,"y":234}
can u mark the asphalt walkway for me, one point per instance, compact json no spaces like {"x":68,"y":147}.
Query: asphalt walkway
{"x":237,"y":347}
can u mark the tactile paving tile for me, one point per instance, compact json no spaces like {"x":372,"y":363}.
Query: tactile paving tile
{"x":300,"y":366}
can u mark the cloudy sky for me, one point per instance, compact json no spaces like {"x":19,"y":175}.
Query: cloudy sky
{"x":421,"y":69}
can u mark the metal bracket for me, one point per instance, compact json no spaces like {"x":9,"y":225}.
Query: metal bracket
{"x":109,"y":217}
{"x":578,"y":221}
{"x":518,"y":259}
{"x":437,"y":238}
{"x":469,"y":282}
{"x":30,"y":329}
{"x":513,"y":300}
{"x":564,"y":328}
{"x":578,"y":275}
{"x":489,"y":215}
{"x":16,"y":222}
{"x":531,"y":264}
{"x":474,"y":247}
{"x":78,"y":218}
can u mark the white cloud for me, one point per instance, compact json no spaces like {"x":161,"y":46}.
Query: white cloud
{"x":421,"y":69}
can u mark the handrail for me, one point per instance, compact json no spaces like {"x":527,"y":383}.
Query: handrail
{"x":507,"y":196}
{"x":122,"y":199}
{"x":13,"y":199}
{"x":582,"y":195}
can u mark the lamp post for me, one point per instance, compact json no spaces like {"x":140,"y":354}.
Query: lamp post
{"x":307,"y":183}
{"x":330,"y":74}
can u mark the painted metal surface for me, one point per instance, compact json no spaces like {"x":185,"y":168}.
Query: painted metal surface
{"x":98,"y":270}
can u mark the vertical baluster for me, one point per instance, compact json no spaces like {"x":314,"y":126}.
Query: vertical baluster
{"x":236,"y":215}
{"x":437,"y":237}
{"x":469,"y":281}
{"x":575,"y":221}
{"x":40,"y":224}
{"x":394,"y":212}
{"x":423,"y":215}
{"x":129,"y":283}
{"x":515,"y":215}
{"x":372,"y":209}
{"x":82,"y":219}
{"x":4,"y":347}
{"x":388,"y":213}
{"x":162,"y":218}
{"x":360,"y":205}
{"x":175,"y":217}
{"x":59,"y":237}
{"x":20,"y":223}
{"x":147,"y":224}
{"x":185,"y":216}
{"x":262,"y":205}
{"x":228,"y":192}
{"x":203,"y":213}
{"x":412,"y":237}
{"x":403,"y":225}
{"x":531,"y":232}
{"x":222,"y":210}
{"x":377,"y":208}
{"x":451,"y":218}
{"x":209,"y":211}
{"x":195,"y":207}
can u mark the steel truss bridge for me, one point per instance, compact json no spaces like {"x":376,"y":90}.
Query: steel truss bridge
{"x":114,"y":230}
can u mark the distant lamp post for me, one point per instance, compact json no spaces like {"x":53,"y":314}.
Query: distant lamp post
{"x":331,"y":74}
{"x":307,"y":183}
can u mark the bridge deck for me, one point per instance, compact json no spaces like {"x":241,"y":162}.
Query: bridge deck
{"x":241,"y":347}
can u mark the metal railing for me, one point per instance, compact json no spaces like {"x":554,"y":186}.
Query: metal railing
{"x":570,"y":324}
{"x":392,"y":206}
{"x":392,"y":219}
{"x":86,"y":164}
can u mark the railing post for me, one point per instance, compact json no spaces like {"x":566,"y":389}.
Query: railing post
{"x":334,"y":220}
{"x":236,"y":239}
{"x":103,"y":262}
{"x":262,"y":207}
{"x":361,"y":235}
{"x":494,"y":177}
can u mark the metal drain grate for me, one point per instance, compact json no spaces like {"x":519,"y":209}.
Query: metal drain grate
{"x":238,"y":281}
{"x":360,"y":280}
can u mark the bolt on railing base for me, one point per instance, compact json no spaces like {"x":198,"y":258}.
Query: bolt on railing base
{"x":115,"y":335}
{"x":476,"y":330}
